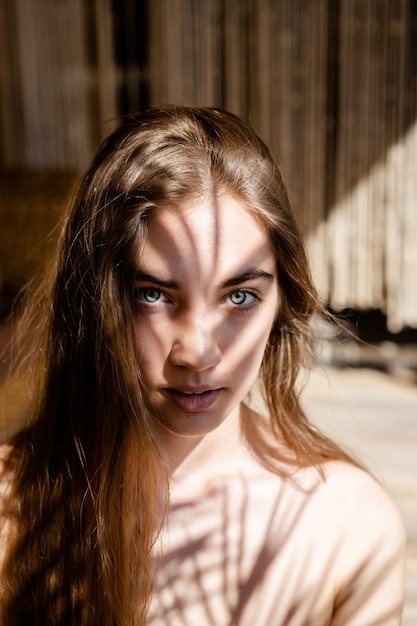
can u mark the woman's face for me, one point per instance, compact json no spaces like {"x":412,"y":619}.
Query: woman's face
{"x":206,"y":295}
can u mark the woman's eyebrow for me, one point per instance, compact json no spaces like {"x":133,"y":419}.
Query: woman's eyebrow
{"x":250,"y":274}
{"x":148,"y":278}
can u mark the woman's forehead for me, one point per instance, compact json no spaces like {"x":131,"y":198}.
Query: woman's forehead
{"x":212,"y":235}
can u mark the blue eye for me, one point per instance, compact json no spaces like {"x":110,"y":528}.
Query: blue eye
{"x":240,"y":298}
{"x":148,"y":294}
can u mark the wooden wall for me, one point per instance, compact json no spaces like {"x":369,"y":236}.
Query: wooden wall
{"x":331,"y":85}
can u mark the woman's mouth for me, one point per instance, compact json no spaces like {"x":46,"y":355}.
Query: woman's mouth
{"x":192,"y":401}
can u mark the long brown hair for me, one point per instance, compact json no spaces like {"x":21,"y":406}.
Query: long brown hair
{"x":88,"y":481}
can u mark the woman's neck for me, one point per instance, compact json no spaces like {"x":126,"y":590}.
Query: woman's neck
{"x":205,"y":455}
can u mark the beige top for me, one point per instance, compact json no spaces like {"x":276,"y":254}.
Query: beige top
{"x":247,"y":547}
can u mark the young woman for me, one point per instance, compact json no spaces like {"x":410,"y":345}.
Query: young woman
{"x":144,"y":489}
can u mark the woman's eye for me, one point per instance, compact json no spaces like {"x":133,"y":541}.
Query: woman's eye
{"x":240,"y":298}
{"x":148,"y":295}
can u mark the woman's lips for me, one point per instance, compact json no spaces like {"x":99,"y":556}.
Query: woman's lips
{"x":192,"y":402}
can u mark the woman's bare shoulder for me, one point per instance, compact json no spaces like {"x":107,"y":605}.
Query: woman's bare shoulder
{"x":356,"y":498}
{"x":352,"y":486}
{"x":370,"y":533}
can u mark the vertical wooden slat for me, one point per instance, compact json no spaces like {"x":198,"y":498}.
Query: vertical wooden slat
{"x":107,"y":86}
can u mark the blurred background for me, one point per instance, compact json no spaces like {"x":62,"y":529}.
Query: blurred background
{"x":331,"y":86}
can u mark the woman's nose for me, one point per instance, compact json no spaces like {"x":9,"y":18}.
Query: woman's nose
{"x":196,"y":345}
